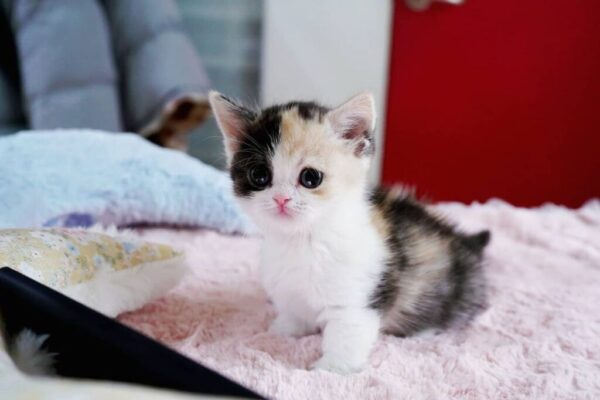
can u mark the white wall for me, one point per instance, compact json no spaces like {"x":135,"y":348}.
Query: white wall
{"x":327,"y":50}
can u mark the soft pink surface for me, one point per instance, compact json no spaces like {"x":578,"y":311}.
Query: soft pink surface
{"x":540,"y":338}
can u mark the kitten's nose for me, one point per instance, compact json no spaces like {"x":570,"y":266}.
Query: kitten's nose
{"x":281,"y":200}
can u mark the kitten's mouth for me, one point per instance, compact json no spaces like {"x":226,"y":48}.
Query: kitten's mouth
{"x":284,"y":213}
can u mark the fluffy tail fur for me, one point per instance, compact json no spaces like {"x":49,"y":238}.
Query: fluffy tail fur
{"x":29,"y":355}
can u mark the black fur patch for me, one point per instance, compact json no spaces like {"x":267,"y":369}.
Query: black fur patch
{"x":255,"y":150}
{"x":309,"y":110}
{"x":457,"y":297}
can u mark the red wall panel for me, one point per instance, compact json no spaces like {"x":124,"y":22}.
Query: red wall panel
{"x":496,"y":98}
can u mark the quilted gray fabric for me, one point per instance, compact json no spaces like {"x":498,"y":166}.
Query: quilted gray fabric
{"x":110,"y":64}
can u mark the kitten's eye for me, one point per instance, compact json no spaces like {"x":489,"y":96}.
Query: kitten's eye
{"x":260,"y":177}
{"x":310,"y":178}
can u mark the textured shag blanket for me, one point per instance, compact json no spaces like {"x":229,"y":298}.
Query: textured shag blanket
{"x":539,"y":339}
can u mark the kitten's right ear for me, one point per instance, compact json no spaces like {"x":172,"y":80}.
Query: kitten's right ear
{"x":233,"y":120}
{"x":355,"y":121}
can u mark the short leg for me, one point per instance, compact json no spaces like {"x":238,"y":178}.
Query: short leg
{"x":348,"y":337}
{"x":286,"y":325}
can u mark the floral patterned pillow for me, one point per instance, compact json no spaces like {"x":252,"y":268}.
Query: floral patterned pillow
{"x":109,"y":274}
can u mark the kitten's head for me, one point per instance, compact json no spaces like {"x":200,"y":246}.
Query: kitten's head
{"x":294,"y":163}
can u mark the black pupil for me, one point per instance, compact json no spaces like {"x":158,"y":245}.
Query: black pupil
{"x":260,"y":176}
{"x":310,"y":178}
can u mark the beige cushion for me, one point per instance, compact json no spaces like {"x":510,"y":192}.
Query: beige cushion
{"x":110,"y":274}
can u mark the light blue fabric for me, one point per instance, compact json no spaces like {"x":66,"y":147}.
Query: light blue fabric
{"x":82,"y":177}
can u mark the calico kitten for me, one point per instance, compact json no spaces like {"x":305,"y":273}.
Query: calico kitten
{"x":337,"y":257}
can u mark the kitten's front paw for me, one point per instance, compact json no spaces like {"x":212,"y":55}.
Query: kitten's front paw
{"x":338,"y":366}
{"x":286,"y":327}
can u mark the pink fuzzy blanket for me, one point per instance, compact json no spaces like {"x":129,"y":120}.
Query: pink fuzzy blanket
{"x":539,"y":339}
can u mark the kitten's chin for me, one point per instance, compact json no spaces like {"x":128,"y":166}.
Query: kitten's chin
{"x":281,"y":223}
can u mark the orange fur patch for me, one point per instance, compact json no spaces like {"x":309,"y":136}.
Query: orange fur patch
{"x":312,"y":143}
{"x":380,"y":223}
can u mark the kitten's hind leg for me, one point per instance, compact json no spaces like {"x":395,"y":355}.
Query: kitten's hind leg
{"x":348,"y":337}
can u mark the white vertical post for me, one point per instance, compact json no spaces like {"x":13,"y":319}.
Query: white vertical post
{"x":327,"y":50}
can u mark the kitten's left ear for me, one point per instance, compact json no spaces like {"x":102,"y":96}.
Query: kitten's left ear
{"x":355,"y":121}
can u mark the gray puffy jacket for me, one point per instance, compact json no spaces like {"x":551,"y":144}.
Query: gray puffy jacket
{"x":107,"y":64}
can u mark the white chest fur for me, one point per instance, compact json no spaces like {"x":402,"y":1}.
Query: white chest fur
{"x":337,"y":265}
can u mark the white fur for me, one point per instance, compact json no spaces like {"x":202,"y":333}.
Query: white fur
{"x":321,"y":278}
{"x":28,"y":354}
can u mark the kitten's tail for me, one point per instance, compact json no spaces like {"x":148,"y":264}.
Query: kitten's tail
{"x":478,"y":241}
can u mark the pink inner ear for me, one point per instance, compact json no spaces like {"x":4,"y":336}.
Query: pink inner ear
{"x":232,"y":120}
{"x":354,"y":119}
{"x":232,"y":127}
{"x":357,"y":130}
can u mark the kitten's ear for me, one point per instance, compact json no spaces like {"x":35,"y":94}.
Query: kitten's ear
{"x":355,"y":121}
{"x":233,"y":120}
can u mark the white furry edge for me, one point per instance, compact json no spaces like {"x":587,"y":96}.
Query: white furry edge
{"x":25,"y":353}
{"x":28,"y":353}
{"x":113,"y":292}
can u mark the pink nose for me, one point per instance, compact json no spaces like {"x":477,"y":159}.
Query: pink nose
{"x":281,"y":200}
